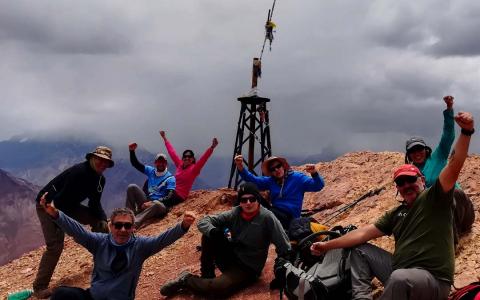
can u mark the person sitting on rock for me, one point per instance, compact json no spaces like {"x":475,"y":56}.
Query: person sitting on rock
{"x":431,"y":164}
{"x":160,"y":191}
{"x":68,"y":190}
{"x":117,"y":257}
{"x":287,"y":187}
{"x":422,"y":265}
{"x":237,"y":242}
{"x":187,"y":167}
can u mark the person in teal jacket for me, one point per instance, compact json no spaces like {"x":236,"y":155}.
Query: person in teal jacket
{"x":431,"y":164}
{"x":287,"y":187}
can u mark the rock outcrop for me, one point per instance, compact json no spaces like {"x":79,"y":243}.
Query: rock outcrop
{"x":347,"y":178}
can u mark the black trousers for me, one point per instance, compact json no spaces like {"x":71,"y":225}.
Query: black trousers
{"x":70,"y":293}
{"x":283,"y":217}
{"x":234,"y":277}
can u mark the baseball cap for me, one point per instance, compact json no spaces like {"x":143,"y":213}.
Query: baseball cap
{"x":406,"y":170}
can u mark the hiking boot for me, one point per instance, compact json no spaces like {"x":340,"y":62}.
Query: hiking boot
{"x":174,"y":286}
{"x":42,"y":294}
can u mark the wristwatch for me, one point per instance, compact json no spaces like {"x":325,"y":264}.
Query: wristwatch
{"x":467,"y":132}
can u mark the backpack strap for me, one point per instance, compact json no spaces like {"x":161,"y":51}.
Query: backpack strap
{"x":471,"y":291}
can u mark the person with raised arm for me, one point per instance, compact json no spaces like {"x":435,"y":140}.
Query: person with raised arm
{"x":159,"y":193}
{"x":423,"y":263}
{"x":431,"y":163}
{"x":188,"y":168}
{"x":287,"y":187}
{"x":118,"y":256}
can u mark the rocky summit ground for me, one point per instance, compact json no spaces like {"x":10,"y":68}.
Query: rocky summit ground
{"x":347,"y":178}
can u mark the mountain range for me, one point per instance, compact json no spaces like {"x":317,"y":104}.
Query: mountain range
{"x":19,"y":227}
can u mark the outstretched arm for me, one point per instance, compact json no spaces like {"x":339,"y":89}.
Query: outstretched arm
{"x":70,"y":226}
{"x":171,"y":151}
{"x":449,"y":174}
{"x":353,"y":238}
{"x":152,"y":245}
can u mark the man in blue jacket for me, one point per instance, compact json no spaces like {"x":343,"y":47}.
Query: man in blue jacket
{"x":287,"y":187}
{"x":117,"y":257}
{"x":160,"y":190}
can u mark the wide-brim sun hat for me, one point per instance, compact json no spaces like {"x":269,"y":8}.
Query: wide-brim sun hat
{"x":102,"y":152}
{"x":267,"y":163}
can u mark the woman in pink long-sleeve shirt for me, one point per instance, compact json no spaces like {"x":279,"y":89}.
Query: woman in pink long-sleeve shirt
{"x":187,"y":167}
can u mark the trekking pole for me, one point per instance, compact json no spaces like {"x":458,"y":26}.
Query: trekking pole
{"x":309,"y":212}
{"x":348,"y":206}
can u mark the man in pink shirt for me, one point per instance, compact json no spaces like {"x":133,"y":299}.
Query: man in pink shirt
{"x":187,"y":167}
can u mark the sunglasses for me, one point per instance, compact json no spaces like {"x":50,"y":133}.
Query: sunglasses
{"x":275,"y":167}
{"x":245,"y":199}
{"x":119,"y":225}
{"x":401,"y":181}
{"x":187,"y":156}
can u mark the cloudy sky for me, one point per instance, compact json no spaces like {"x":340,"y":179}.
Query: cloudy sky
{"x":342,"y":75}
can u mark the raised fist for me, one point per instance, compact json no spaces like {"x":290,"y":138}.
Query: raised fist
{"x":449,"y":101}
{"x":464,"y":120}
{"x":132,"y":146}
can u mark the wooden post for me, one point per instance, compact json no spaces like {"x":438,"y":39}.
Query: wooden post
{"x":256,"y":71}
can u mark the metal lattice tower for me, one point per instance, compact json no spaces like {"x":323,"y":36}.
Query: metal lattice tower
{"x":253,"y":128}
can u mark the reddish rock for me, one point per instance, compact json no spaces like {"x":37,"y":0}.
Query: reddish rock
{"x":347,"y":178}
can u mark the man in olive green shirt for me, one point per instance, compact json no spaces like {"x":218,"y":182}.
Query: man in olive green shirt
{"x":422,"y":265}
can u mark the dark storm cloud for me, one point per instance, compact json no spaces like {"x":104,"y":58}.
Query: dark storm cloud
{"x":58,"y":28}
{"x":342,"y":75}
{"x":438,"y":28}
{"x":457,"y":40}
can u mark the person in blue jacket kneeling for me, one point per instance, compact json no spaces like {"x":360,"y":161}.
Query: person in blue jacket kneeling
{"x":287,"y":187}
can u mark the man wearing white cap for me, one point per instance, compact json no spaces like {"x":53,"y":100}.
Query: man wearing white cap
{"x":67,"y":191}
{"x":159,"y":193}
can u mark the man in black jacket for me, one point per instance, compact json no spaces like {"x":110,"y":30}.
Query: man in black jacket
{"x":67,"y":191}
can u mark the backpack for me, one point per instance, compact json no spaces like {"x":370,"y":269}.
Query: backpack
{"x":302,"y":227}
{"x":463,"y":214}
{"x":469,"y":292}
{"x":310,"y":277}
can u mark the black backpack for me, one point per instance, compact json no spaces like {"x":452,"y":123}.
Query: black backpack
{"x":307,"y":277}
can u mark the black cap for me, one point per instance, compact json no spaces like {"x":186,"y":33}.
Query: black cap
{"x":248,"y":188}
